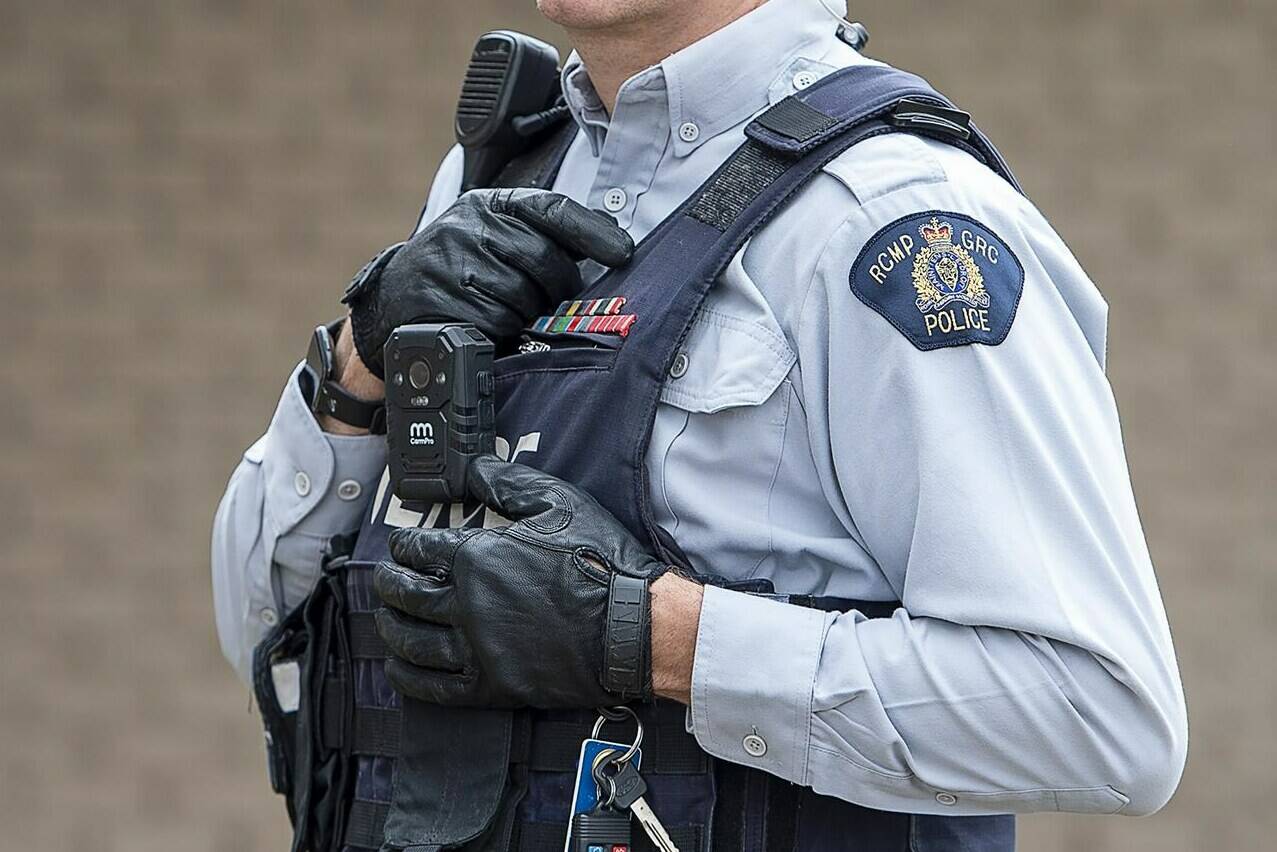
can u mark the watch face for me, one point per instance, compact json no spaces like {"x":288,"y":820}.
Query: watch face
{"x":319,"y":362}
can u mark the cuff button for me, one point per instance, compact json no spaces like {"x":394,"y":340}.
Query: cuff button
{"x":946,"y":799}
{"x":754,"y":745}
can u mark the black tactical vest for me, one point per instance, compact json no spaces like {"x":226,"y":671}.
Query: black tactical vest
{"x":363,"y":768}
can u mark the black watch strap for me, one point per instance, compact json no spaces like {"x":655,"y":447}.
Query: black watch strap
{"x":335,"y":401}
{"x":329,"y":398}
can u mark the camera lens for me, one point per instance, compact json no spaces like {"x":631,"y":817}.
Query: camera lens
{"x":419,"y":374}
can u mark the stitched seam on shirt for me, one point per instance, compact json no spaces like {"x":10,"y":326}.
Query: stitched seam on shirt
{"x":775,"y":343}
{"x":771,"y":487}
{"x":805,"y":723}
{"x":815,"y":269}
{"x":935,"y":172}
{"x":1054,"y":792}
{"x":699,"y":688}
{"x":669,"y":507}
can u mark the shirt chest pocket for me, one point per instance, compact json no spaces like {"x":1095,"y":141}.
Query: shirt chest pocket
{"x":718,"y":438}
{"x":727,"y":362}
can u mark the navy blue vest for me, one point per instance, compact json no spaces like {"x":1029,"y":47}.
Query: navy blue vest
{"x":373,"y":770}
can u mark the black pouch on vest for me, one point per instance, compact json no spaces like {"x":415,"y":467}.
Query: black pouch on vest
{"x":277,"y":664}
{"x":311,"y":645}
{"x":450,"y":775}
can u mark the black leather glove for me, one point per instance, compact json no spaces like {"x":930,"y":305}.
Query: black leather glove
{"x":552,"y":611}
{"x":497,"y":258}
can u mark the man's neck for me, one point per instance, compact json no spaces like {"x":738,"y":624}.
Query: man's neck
{"x":615,"y":54}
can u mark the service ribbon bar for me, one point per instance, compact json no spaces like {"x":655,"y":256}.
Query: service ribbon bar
{"x":599,"y":324}
{"x":617,"y":324}
{"x":591,"y":307}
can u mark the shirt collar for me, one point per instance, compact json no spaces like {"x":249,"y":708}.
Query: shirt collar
{"x":719,"y":81}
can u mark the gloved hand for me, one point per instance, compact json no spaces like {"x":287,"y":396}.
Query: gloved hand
{"x":497,"y":258}
{"x":553,"y":611}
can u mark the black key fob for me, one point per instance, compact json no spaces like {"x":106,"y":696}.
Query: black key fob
{"x":601,"y":830}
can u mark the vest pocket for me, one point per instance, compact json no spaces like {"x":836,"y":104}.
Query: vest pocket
{"x":544,"y":341}
{"x":544,"y":351}
{"x":450,"y":774}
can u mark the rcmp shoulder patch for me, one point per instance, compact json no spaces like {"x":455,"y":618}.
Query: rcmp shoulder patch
{"x":942,"y":279}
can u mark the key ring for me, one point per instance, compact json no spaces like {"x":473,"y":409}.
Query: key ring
{"x":618,"y":714}
{"x":600,"y":779}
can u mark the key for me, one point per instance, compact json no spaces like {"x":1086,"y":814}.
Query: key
{"x":630,"y":789}
{"x":603,"y":829}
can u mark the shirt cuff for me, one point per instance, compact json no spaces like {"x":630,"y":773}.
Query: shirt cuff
{"x":358,"y":462}
{"x":752,"y":695}
{"x":311,"y":476}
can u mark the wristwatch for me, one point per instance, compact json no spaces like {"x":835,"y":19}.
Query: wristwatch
{"x":326,"y":396}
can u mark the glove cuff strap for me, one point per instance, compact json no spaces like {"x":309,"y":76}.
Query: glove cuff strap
{"x":627,"y":643}
{"x":364,"y":324}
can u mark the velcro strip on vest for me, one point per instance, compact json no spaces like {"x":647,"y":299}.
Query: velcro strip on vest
{"x":366,"y":824}
{"x":365,"y":642}
{"x":749,"y":171}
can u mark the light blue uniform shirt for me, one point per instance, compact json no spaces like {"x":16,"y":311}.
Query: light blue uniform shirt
{"x":811,"y":443}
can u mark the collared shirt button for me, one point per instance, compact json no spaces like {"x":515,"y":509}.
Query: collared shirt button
{"x":269,"y":617}
{"x":946,"y":799}
{"x":615,"y":199}
{"x":301,"y":483}
{"x":349,"y":490}
{"x":679,"y":368}
{"x":754,"y":745}
{"x":689,"y":132}
{"x":804,"y":79}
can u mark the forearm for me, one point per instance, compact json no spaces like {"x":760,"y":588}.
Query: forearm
{"x":676,"y":613}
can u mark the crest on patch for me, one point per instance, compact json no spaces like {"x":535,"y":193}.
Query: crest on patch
{"x":959,"y":284}
{"x":944,"y":272}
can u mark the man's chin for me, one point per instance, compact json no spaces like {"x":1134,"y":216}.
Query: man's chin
{"x":598,"y":14}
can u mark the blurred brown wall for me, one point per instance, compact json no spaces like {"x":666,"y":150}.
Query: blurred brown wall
{"x":186,"y":185}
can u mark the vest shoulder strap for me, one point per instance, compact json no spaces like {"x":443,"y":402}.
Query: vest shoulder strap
{"x":792,"y":140}
{"x":860,"y":94}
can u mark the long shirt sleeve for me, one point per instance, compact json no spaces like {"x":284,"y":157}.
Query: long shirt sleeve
{"x":294,"y":489}
{"x":1031,"y":665}
{"x":292,"y":492}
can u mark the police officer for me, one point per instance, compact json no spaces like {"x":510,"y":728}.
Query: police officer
{"x":893,"y":393}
